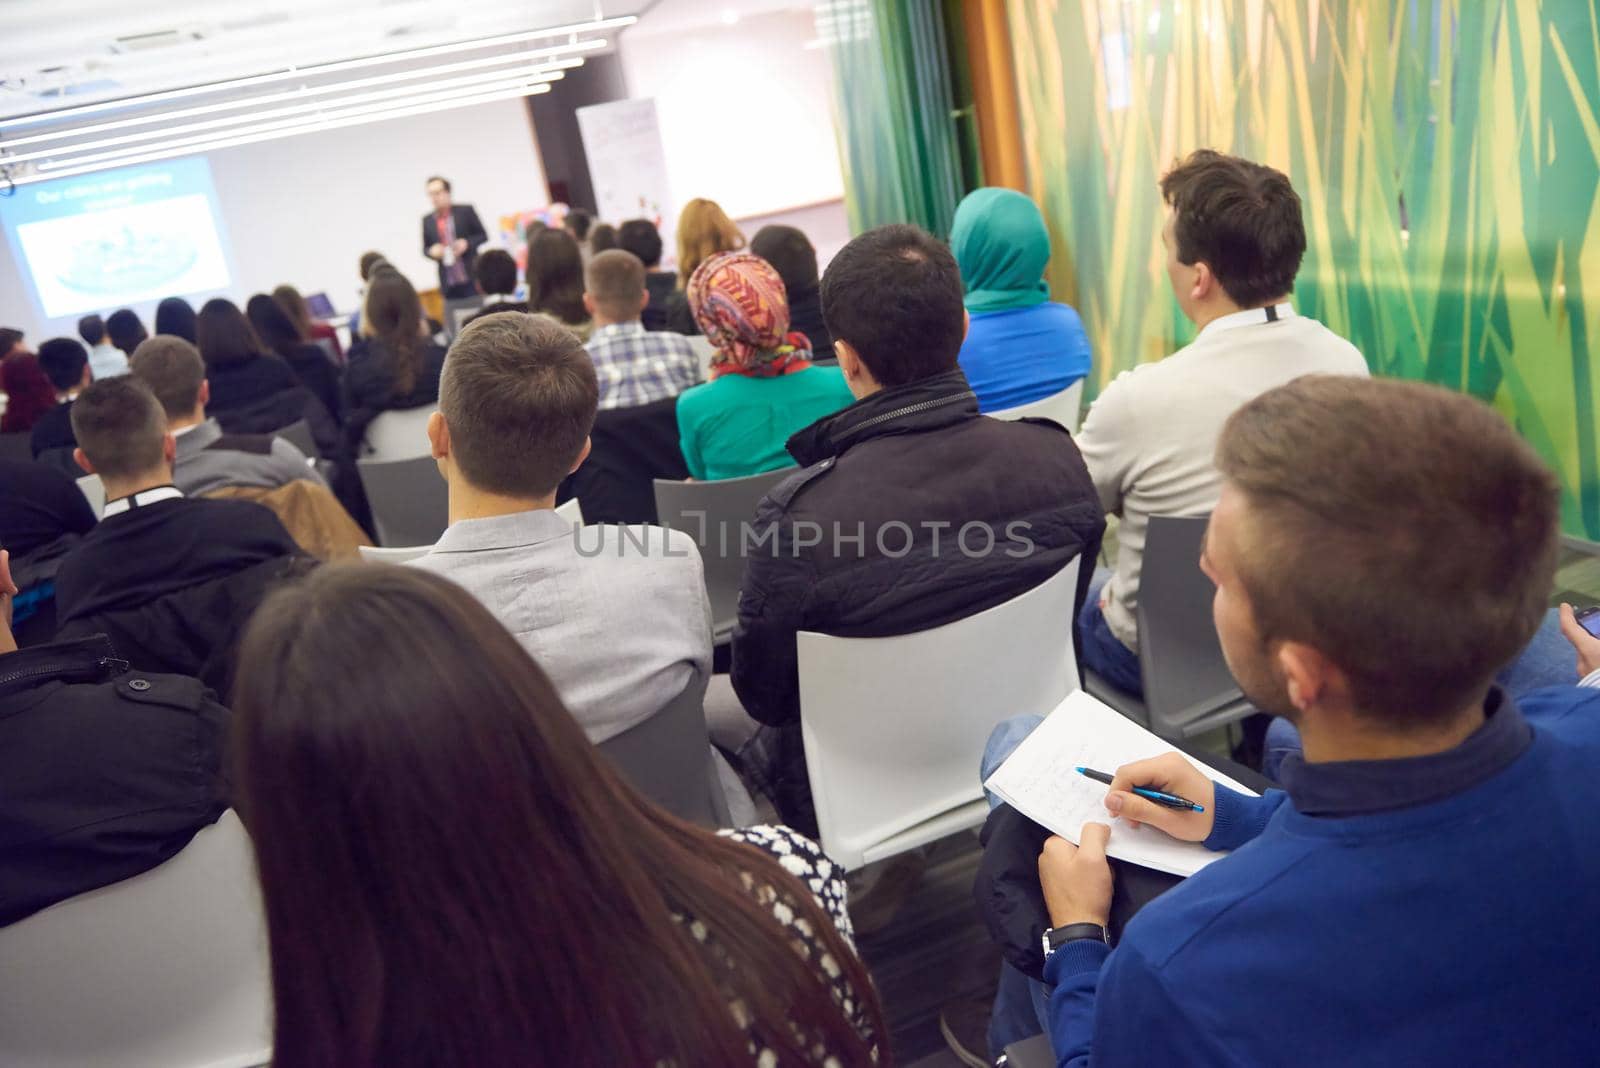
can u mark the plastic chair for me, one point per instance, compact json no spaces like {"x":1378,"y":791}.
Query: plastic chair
{"x":1064,"y":407}
{"x":168,"y":968}
{"x":399,"y":434}
{"x":892,"y":726}
{"x":704,"y":350}
{"x":1188,"y":688}
{"x":715,"y":514}
{"x":94,"y":491}
{"x":1032,"y":1052}
{"x":409,"y":500}
{"x":668,"y":759}
{"x":299,"y":435}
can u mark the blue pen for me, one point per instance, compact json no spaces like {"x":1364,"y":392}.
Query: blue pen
{"x":1169,"y":800}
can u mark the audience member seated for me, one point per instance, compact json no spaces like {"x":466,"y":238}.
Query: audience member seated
{"x":310,"y":363}
{"x":29,"y":394}
{"x":11,"y":342}
{"x":170,"y":579}
{"x":108,"y":772}
{"x":252,"y":392}
{"x":495,"y":272}
{"x":1234,"y":240}
{"x":369,"y":263}
{"x":393,"y":366}
{"x":42,"y":516}
{"x":175,"y":317}
{"x":634,"y":366}
{"x":913,"y":468}
{"x":791,"y":255}
{"x":555,"y":280}
{"x":1021,"y":346}
{"x":621,"y":631}
{"x":66,"y":365}
{"x":704,"y":230}
{"x":125,"y":330}
{"x":105,"y":359}
{"x":207,"y":459}
{"x":763,"y":385}
{"x":640,"y":237}
{"x":1379,"y":549}
{"x":602,"y":236}
{"x":577,"y":223}
{"x":420,"y":888}
{"x":313,"y":330}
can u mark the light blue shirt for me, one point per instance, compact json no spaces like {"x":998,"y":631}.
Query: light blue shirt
{"x":1016,"y":357}
{"x":107,"y":361}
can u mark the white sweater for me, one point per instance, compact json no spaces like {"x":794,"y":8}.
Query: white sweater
{"x":1149,"y":438}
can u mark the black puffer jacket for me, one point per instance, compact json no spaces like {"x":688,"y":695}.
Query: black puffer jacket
{"x":927,"y":482}
{"x":107,"y":772}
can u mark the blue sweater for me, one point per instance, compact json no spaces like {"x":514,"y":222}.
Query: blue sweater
{"x":1458,"y":931}
{"x":1016,"y":357}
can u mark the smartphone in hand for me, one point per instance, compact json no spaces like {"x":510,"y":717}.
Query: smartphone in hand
{"x":1589,"y":619}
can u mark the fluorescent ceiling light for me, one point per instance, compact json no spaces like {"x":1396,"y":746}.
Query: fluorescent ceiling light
{"x":507,"y":59}
{"x":499,"y":77}
{"x":319,"y":69}
{"x":197,"y":142}
{"x":162,"y":152}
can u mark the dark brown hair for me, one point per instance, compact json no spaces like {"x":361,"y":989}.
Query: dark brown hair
{"x":1240,"y":218}
{"x":120,"y":427}
{"x":602,"y":236}
{"x":173,"y":370}
{"x":294,"y":306}
{"x":391,"y":314}
{"x":453,"y":875}
{"x":369,"y":263}
{"x":519,"y":395}
{"x":273,"y":325}
{"x":615,"y":279}
{"x":495,"y":272}
{"x":224,"y":336}
{"x":555,"y":276}
{"x":1403,"y":530}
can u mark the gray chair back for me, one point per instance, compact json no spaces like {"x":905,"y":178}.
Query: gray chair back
{"x":1187,"y":685}
{"x":298,"y":434}
{"x":714,"y":514}
{"x":409,"y":500}
{"x":1032,"y":1052}
{"x":668,"y":759}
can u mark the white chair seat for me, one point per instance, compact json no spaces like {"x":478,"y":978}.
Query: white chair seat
{"x":167,"y":969}
{"x":94,"y":491}
{"x":399,"y":434}
{"x":1063,"y":407}
{"x":894,"y":727}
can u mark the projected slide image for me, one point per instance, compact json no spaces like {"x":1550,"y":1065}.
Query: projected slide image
{"x":119,"y":238}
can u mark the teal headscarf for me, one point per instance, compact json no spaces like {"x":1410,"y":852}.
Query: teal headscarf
{"x":1001,"y":246}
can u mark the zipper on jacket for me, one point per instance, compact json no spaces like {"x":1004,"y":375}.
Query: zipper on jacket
{"x":910,"y":409}
{"x":100,"y":665}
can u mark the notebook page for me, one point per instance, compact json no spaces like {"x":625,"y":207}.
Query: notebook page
{"x":1041,"y":781}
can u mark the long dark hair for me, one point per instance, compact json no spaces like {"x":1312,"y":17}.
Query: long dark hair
{"x":273,"y":325}
{"x":555,"y":276}
{"x":224,"y":336}
{"x":453,"y":875}
{"x":294,"y":306}
{"x":391,"y":314}
{"x":175,"y":316}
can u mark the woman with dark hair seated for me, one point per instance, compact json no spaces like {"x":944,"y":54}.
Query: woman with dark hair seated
{"x":312,"y":330}
{"x":310,"y":363}
{"x":394,"y":365}
{"x":453,"y":875}
{"x":252,"y":391}
{"x":555,"y":280}
{"x":174,"y":316}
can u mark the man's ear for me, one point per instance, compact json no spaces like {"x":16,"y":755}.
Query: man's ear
{"x":1308,"y":676}
{"x":589,"y":303}
{"x":438,"y":436}
{"x":966,"y":323}
{"x":582,"y":456}
{"x":169,"y":449}
{"x":205,"y":393}
{"x":83,"y":461}
{"x":849,"y":359}
{"x":1205,"y":283}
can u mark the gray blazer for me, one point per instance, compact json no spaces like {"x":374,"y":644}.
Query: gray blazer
{"x":616,"y":616}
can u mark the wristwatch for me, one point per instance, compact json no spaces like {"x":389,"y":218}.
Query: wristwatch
{"x":1056,"y":937}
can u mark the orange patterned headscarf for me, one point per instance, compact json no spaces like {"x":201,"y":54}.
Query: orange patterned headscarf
{"x":740,"y":304}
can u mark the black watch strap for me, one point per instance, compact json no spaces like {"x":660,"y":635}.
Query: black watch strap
{"x":1056,"y":937}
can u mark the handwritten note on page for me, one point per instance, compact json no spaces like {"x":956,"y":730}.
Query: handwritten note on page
{"x":1041,"y":781}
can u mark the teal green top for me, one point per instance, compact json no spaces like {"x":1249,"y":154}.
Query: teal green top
{"x":736,"y":425}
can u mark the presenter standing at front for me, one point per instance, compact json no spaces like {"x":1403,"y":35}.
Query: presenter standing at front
{"x":451,"y":234}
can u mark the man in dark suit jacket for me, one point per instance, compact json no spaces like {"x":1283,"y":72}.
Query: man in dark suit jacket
{"x":451,"y":234}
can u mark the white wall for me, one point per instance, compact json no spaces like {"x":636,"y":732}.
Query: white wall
{"x":302,"y":210}
{"x":745,"y":109}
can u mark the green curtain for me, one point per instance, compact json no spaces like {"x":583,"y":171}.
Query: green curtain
{"x":899,"y":128}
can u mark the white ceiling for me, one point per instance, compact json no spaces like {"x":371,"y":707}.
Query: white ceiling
{"x":61,"y":53}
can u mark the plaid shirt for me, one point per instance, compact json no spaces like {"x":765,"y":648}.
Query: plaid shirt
{"x":636,"y":366}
